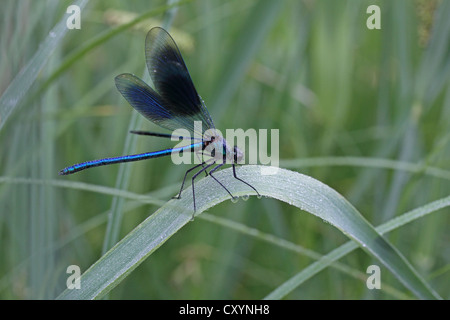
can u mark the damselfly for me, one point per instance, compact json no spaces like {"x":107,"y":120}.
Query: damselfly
{"x":173,"y":104}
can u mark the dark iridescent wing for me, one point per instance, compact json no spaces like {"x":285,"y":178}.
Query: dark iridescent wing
{"x":172,"y":80}
{"x":151,"y":105}
{"x":144,"y":99}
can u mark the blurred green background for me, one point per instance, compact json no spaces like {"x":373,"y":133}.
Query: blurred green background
{"x":345,"y":98}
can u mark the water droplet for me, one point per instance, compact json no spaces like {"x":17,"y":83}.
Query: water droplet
{"x":245,"y":197}
{"x":235,"y":199}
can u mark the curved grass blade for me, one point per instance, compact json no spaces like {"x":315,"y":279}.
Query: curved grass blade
{"x":289,"y":246}
{"x":296,"y":189}
{"x":348,"y":247}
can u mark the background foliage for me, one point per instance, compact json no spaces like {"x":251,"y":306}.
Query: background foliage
{"x":365,"y":111}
